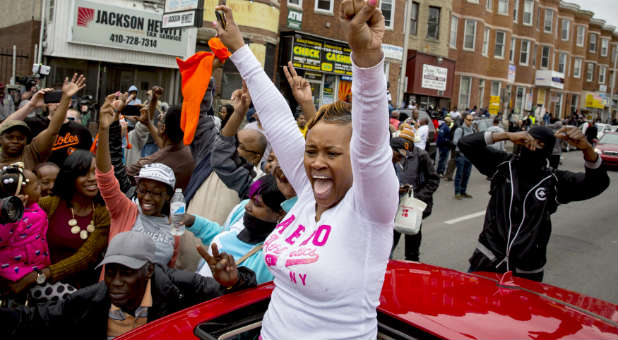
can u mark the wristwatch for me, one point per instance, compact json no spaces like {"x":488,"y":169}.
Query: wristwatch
{"x":40,"y":277}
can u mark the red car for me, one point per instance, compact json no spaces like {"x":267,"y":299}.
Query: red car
{"x":608,"y":147}
{"x":420,"y":301}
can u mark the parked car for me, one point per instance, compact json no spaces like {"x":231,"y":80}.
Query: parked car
{"x":432,"y":137}
{"x":608,"y":148}
{"x":419,"y":301}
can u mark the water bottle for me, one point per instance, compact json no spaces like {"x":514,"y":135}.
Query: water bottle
{"x":177,"y":212}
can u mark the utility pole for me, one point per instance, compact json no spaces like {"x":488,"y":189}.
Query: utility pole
{"x":613,"y":82}
{"x":404,"y":60}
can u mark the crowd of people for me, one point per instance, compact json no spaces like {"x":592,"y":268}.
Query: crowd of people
{"x":307,"y":201}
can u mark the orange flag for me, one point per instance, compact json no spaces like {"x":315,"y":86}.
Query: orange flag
{"x":195,"y":73}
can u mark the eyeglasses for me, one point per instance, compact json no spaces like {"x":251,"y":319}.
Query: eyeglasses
{"x":241,"y":147}
{"x":143,"y":192}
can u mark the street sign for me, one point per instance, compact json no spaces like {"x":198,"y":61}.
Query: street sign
{"x":183,"y":13}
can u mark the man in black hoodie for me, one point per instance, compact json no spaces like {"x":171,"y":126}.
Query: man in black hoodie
{"x":524,"y":193}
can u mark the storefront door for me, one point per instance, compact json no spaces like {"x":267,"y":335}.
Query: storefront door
{"x":316,"y":90}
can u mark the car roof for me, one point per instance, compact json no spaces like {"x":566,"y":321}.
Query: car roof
{"x":443,"y":302}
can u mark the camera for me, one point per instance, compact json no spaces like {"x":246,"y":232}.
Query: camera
{"x":12,"y":180}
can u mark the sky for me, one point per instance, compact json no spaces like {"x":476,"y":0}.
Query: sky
{"x":603,"y":9}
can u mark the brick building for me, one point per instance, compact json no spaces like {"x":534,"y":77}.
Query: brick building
{"x":312,"y":38}
{"x":539,"y":55}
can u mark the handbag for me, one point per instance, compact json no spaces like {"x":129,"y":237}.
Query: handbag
{"x":410,"y":214}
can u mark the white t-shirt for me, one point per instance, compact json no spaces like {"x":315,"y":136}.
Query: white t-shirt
{"x":422,"y":133}
{"x":328,"y":274}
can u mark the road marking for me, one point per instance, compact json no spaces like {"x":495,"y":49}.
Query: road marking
{"x":466,"y":217}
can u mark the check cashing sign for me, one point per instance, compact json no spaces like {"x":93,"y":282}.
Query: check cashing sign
{"x":125,"y":28}
{"x":311,"y":53}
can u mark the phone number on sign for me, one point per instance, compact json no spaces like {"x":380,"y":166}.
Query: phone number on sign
{"x":135,"y":41}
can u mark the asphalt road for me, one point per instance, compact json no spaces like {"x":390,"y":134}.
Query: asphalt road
{"x":582,"y":251}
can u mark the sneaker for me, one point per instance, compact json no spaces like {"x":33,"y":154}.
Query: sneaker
{"x":466,"y":196}
{"x":458,"y":197}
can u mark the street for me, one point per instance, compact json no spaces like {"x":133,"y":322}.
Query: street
{"x":582,"y":250}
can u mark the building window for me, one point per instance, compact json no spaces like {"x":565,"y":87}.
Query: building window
{"x":549,"y":21}
{"x":580,"y":35}
{"x":524,"y":52}
{"x":481,"y":92}
{"x":512,"y":51}
{"x":577,"y":68}
{"x":499,"y":47}
{"x":545,"y":57}
{"x":562,"y":62}
{"x":574,"y":103}
{"x":469,"y":35}
{"x":592,"y":43}
{"x":486,"y":41}
{"x":604,"y":47}
{"x":414,"y":19}
{"x":528,"y":10}
{"x":295,"y":3}
{"x":519,"y":99}
{"x":489,"y":5}
{"x":453,"y":37}
{"x":388,"y":10}
{"x":324,"y":6}
{"x":464,"y":92}
{"x":558,"y":107}
{"x":601,"y":74}
{"x":515,"y":10}
{"x":564,"y":33}
{"x":589,"y":71}
{"x":433,"y":23}
{"x":503,"y":7}
{"x":495,"y":88}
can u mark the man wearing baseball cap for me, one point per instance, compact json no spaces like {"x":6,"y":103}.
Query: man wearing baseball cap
{"x":134,"y":292}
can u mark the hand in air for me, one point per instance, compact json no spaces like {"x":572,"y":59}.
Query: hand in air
{"x":222,"y":266}
{"x":241,"y":99}
{"x":38,"y":100}
{"x":301,"y":89}
{"x":574,"y":136}
{"x":363,"y":27}
{"x":70,"y":88}
{"x":230,"y":36}
{"x":108,"y":114}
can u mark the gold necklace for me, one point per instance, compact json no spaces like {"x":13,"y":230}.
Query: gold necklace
{"x":75,"y":229}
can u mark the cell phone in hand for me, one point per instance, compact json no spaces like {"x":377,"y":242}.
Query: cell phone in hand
{"x":131,"y":110}
{"x":221,"y":18}
{"x":52,"y":97}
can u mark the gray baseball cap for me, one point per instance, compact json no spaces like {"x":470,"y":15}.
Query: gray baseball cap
{"x":158,"y":172}
{"x":131,"y":249}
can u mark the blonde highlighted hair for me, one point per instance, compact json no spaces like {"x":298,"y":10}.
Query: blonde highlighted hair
{"x":338,"y":112}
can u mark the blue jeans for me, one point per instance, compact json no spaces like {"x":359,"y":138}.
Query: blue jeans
{"x":464,"y":166}
{"x":443,"y":157}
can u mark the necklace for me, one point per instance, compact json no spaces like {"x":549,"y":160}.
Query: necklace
{"x":75,"y":229}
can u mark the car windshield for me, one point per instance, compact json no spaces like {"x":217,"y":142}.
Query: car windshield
{"x":609,"y":139}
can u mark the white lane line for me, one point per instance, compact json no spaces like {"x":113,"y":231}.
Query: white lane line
{"x":466,"y":217}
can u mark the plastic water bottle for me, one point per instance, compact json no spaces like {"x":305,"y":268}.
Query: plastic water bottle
{"x":177,"y":212}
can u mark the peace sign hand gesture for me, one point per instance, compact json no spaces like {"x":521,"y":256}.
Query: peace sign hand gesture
{"x":222,"y":266}
{"x":301,"y":89}
{"x":363,"y":26}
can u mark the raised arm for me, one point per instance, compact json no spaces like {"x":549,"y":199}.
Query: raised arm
{"x":45,"y":140}
{"x":375,"y":183}
{"x":275,"y":115}
{"x":484,"y":158}
{"x":35,"y":103}
{"x":301,"y":90}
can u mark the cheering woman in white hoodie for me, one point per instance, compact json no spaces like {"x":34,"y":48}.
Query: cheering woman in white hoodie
{"x":329,"y":254}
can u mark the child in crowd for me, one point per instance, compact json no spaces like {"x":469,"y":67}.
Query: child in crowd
{"x":47,"y":173}
{"x":23,"y":244}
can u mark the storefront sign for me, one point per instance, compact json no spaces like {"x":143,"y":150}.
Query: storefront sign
{"x":181,"y":5}
{"x":295,"y":19}
{"x":125,"y":28}
{"x":603,"y":88}
{"x":594,"y":101}
{"x":512,"y":70}
{"x":323,"y":55}
{"x":392,"y":51}
{"x":494,"y":105}
{"x":434,"y":77}
{"x":549,"y":78}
